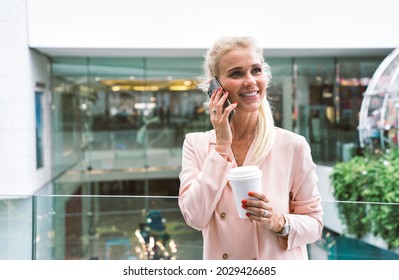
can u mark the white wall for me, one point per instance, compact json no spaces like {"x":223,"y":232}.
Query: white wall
{"x":331,"y":215}
{"x":182,"y":24}
{"x":20,"y":69}
{"x":16,"y":100}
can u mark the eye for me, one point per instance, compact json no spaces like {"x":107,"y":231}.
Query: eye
{"x":257,"y":70}
{"x":235,"y":74}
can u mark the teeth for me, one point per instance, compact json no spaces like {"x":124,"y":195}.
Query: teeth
{"x":249,"y":94}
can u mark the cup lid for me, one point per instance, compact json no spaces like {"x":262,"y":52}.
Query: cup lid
{"x":244,"y":171}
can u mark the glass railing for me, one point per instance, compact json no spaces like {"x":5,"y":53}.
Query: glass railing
{"x":150,"y":228}
{"x":358,"y":231}
{"x":113,"y":228}
{"x":16,"y":223}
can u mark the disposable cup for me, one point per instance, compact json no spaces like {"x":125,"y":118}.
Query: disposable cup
{"x":244,"y":179}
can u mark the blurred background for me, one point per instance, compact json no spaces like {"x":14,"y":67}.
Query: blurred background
{"x":96,"y":98}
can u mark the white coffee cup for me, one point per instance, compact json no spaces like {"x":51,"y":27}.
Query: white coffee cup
{"x":244,"y":179}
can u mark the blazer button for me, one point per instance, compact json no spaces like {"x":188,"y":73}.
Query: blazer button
{"x":225,"y":256}
{"x":222,"y":215}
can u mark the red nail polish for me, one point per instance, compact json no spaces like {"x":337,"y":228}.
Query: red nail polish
{"x":248,"y":214}
{"x":235,"y":103}
{"x":244,"y":201}
{"x":250,"y":193}
{"x":244,"y":206}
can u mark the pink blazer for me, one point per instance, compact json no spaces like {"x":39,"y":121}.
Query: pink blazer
{"x":289,"y":181}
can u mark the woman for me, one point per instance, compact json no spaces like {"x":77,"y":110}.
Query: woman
{"x":287,"y":215}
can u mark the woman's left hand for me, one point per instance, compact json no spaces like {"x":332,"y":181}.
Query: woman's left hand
{"x":260,"y":210}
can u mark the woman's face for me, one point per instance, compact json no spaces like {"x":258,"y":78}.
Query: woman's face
{"x":242,"y":75}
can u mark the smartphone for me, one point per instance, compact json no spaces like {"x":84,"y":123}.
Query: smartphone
{"x":214,"y":85}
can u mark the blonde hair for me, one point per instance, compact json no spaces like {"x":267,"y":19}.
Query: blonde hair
{"x":265,"y":131}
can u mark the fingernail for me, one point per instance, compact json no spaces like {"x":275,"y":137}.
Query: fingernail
{"x":244,"y":201}
{"x":250,"y":193}
{"x":244,"y":206}
{"x":235,"y":103}
{"x":248,"y":214}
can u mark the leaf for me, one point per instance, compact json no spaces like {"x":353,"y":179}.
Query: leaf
{"x":369,"y":178}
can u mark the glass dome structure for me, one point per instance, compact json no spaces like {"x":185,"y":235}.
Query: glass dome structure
{"x":379,"y":113}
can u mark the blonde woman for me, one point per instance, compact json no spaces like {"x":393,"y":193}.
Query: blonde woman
{"x":287,"y":214}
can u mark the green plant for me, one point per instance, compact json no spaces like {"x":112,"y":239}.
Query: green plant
{"x":367,"y":188}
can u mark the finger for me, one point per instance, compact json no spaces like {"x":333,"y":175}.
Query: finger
{"x":259,"y":218}
{"x":215,"y":100}
{"x":266,"y":214}
{"x":255,"y":211}
{"x":220,"y":100}
{"x":216,"y":94}
{"x":223,"y":96}
{"x":260,"y":214}
{"x":259,"y":196}
{"x":223,"y":108}
{"x":230,"y":108}
{"x":256,"y":206}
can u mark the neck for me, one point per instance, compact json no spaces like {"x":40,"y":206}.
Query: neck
{"x":244,"y":129}
{"x":240,"y":145}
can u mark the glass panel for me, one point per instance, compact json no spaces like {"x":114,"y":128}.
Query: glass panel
{"x":386,"y":81}
{"x":391,"y":119}
{"x":139,"y":227}
{"x":69,"y":84}
{"x":180,"y":106}
{"x":117,"y":144}
{"x":131,"y":116}
{"x":358,"y":231}
{"x":354,"y":77}
{"x":115,"y":227}
{"x":372,"y":128}
{"x":328,"y":100}
{"x":314,"y":107}
{"x":280,"y":91}
{"x":16,"y":227}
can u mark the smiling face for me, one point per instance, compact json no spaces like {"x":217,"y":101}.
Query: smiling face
{"x":241,"y":74}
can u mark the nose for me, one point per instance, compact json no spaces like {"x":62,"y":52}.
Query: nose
{"x":249,"y":80}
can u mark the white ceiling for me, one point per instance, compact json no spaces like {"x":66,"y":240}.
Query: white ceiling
{"x":119,"y":52}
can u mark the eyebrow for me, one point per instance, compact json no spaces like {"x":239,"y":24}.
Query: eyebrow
{"x":240,"y":68}
{"x":233,"y":69}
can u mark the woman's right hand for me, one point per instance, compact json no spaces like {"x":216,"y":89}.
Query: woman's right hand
{"x":219,"y":119}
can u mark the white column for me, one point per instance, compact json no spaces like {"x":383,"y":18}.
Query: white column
{"x":20,"y":70}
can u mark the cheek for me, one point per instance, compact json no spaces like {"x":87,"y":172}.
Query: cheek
{"x":262,"y":82}
{"x":232,"y":87}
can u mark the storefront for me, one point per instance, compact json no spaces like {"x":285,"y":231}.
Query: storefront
{"x":120,"y":109}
